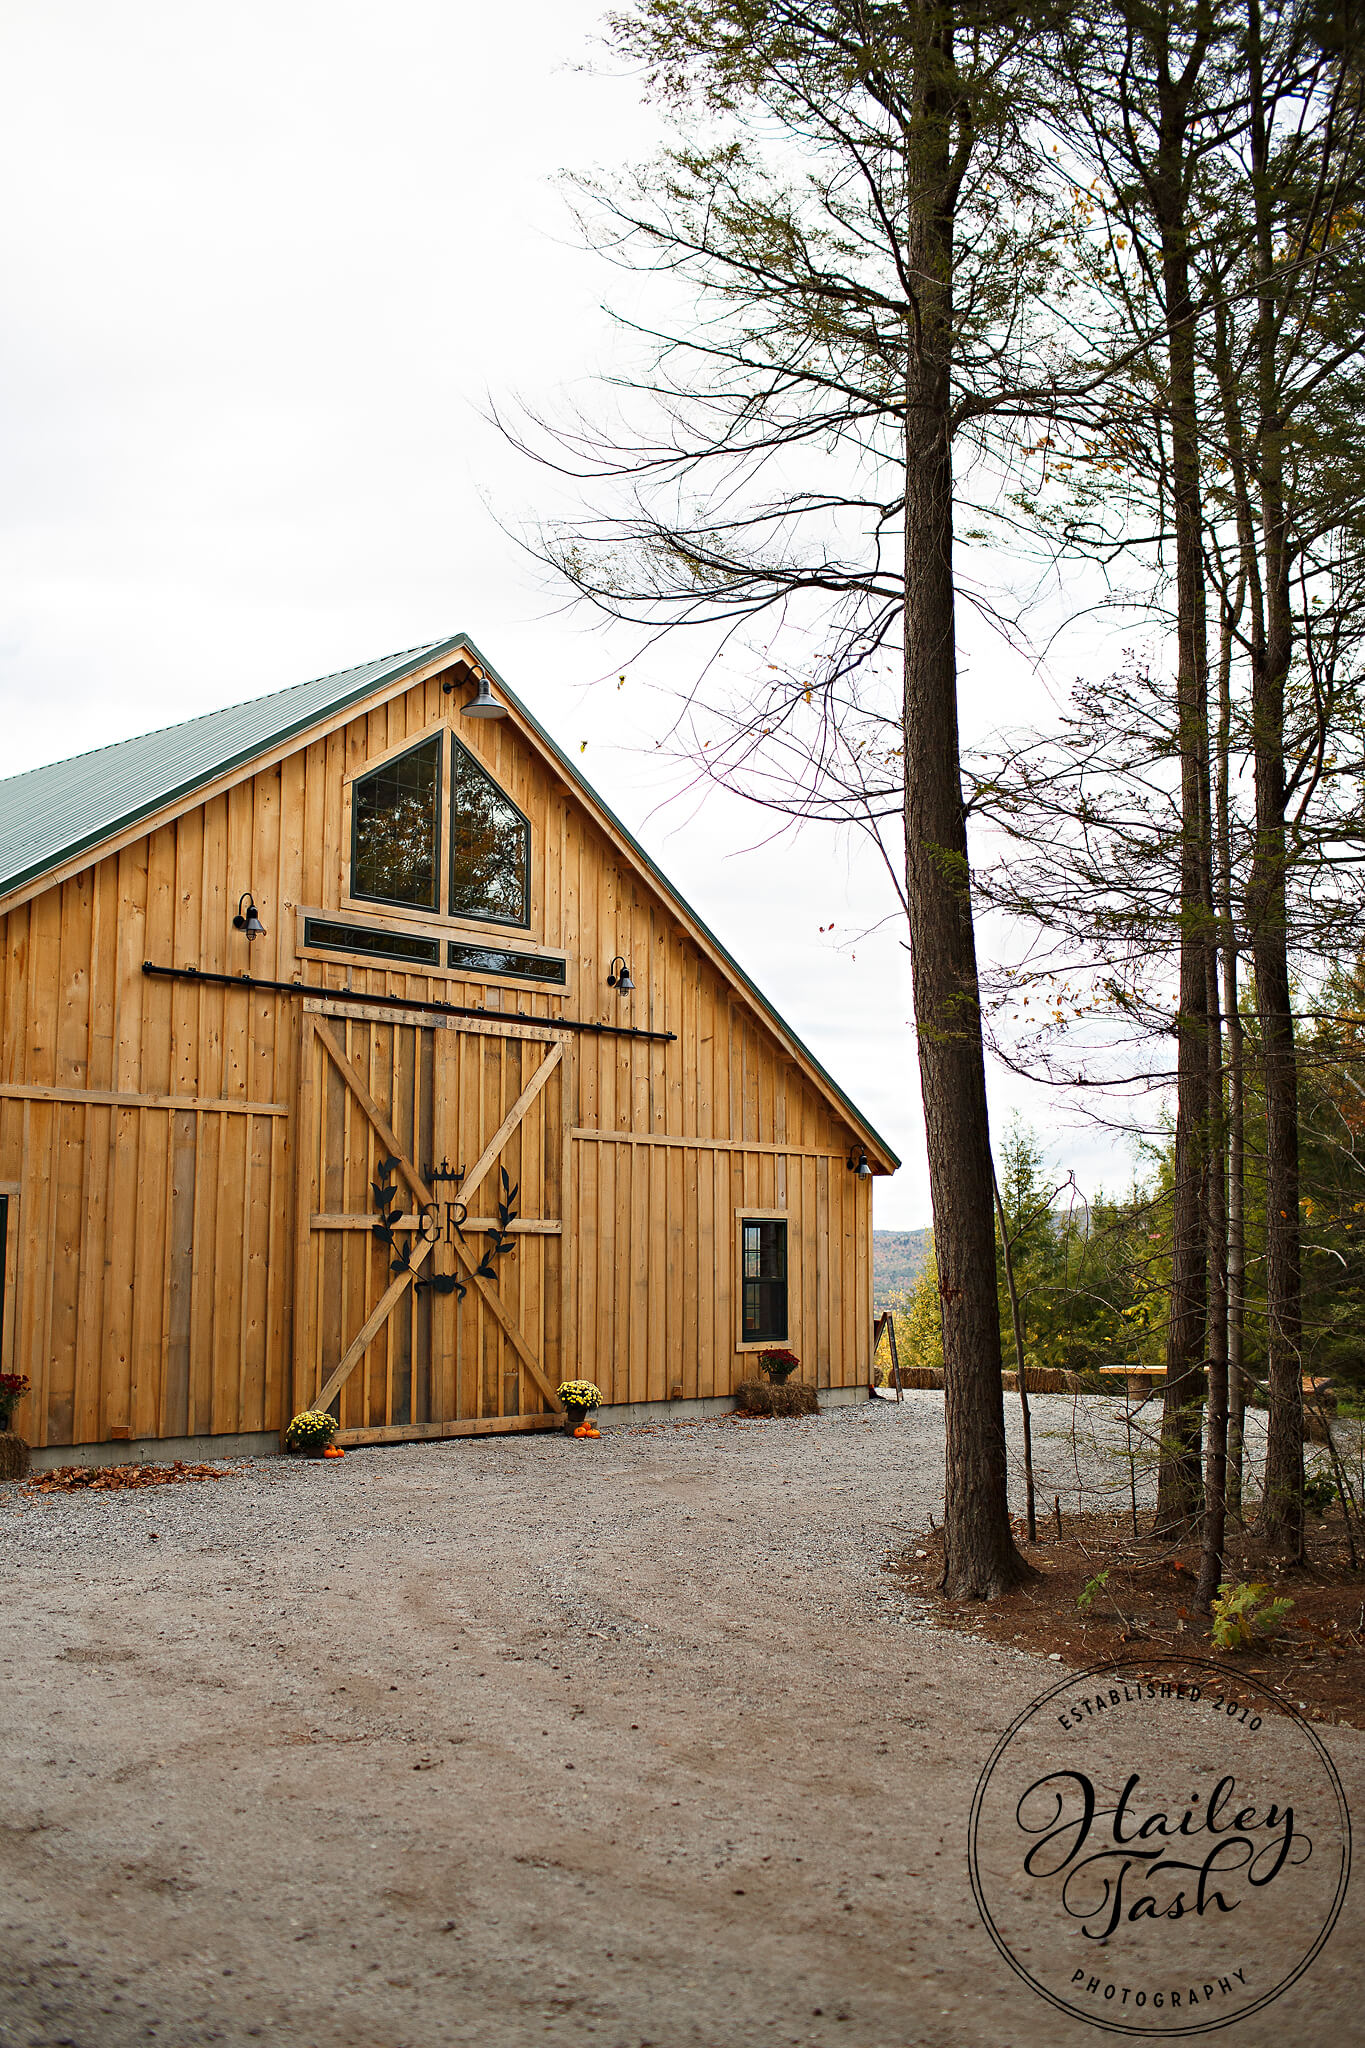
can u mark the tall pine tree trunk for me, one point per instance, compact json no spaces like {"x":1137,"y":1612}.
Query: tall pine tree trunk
{"x":1234,"y":1131}
{"x":1282,"y":1513}
{"x":1222,"y":1452}
{"x":1216,"y":1231}
{"x":980,"y":1558}
{"x":1179,"y":1474}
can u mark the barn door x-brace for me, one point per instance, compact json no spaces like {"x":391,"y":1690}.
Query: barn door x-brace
{"x":319,"y":1026}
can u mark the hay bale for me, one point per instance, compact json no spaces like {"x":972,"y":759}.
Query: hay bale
{"x":1042,"y":1379}
{"x":922,"y":1376}
{"x":776,"y":1397}
{"x":13,"y":1455}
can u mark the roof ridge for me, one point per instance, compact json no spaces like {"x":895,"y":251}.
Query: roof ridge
{"x":238,"y":704}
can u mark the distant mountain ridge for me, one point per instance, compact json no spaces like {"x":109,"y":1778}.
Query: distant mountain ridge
{"x":898,"y":1259}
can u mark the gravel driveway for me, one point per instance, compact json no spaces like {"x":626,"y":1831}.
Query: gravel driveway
{"x":516,"y":1740}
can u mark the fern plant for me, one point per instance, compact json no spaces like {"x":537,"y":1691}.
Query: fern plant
{"x":1245,"y":1615}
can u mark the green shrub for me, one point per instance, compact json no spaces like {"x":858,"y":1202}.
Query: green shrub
{"x":1319,"y":1491}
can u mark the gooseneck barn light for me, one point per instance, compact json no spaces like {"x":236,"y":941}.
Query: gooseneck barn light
{"x":483,"y":704}
{"x":248,"y":920}
{"x":621,"y":982}
{"x":860,"y":1166}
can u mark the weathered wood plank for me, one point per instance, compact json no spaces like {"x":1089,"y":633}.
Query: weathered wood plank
{"x":427,"y":1432}
{"x":113,"y":1098}
{"x":530,"y":1226}
{"x":612,"y":1137}
{"x":432,"y":1020}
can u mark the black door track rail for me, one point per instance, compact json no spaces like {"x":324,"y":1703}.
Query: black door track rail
{"x":347,"y":995}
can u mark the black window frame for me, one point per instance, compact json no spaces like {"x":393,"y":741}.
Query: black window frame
{"x":547,"y":970}
{"x":762,"y":1284}
{"x":522,"y":924}
{"x":330,"y":935}
{"x":359,"y":895}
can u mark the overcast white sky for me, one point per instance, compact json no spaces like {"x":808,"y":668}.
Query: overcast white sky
{"x":263,"y":265}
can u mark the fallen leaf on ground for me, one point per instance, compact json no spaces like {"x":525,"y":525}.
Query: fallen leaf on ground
{"x":121,"y":1478}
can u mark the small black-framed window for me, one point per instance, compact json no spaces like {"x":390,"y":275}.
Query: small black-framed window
{"x":490,"y":846}
{"x":355,"y":938}
{"x":763,"y":1280}
{"x":396,"y":829}
{"x":480,"y":960}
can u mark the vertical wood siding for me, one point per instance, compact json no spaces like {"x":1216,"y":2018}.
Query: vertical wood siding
{"x":155,"y":1240}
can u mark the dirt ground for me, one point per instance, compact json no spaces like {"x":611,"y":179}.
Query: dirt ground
{"x":638,"y":1742}
{"x":1101,"y":1591}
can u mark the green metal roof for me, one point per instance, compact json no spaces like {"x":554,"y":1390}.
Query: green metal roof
{"x":50,"y":815}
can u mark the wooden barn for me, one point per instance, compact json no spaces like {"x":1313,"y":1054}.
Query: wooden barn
{"x":353,"y":1052}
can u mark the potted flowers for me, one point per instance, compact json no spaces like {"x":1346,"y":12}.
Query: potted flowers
{"x":777,"y":1393}
{"x":310,"y":1435}
{"x":13,"y":1449}
{"x":779,"y":1364}
{"x":578,"y":1399}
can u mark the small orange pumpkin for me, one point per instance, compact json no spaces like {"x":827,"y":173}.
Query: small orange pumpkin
{"x":334,"y":1451}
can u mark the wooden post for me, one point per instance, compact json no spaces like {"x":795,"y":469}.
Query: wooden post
{"x":886,"y":1321}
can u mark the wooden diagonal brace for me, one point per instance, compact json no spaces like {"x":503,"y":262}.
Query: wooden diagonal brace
{"x":491,"y":1301}
{"x":372,"y":1325}
{"x":509,"y":1123}
{"x":355,"y":1081}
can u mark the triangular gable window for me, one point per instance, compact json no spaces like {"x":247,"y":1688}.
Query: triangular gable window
{"x":490,"y":846}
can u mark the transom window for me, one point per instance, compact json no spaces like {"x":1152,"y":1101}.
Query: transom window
{"x":396,"y":838}
{"x":763,"y":1281}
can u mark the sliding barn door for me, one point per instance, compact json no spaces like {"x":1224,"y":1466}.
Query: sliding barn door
{"x":429,"y":1255}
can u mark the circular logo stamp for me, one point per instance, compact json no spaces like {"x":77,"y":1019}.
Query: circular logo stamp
{"x":1159,"y":1847}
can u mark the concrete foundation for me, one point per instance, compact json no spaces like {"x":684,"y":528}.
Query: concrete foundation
{"x":161,"y":1450}
{"x":198,"y":1450}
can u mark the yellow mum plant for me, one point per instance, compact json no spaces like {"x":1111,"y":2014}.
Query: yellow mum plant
{"x":310,"y":1431}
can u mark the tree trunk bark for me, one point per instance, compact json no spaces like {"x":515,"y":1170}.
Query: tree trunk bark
{"x":980,"y":1558}
{"x":1234,"y":1141}
{"x":1282,"y":1511}
{"x":1216,"y":1444}
{"x":1179,"y":1474}
{"x":1223,"y":1454}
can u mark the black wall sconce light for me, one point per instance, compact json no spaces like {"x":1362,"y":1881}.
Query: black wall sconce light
{"x":621,"y":982}
{"x":248,"y":919}
{"x":860,"y":1166}
{"x":483,"y":704}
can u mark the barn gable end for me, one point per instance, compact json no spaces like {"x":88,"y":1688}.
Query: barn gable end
{"x":188,"y":1165}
